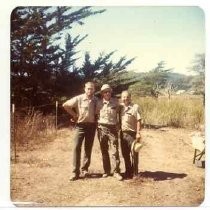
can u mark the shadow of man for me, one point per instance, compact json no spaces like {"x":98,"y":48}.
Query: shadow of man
{"x":161,"y":175}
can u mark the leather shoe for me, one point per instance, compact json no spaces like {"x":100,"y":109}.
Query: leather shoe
{"x":118,"y":176}
{"x":85,"y":173}
{"x":105,"y":175}
{"x":74,"y":177}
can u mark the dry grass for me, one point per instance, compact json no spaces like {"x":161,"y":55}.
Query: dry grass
{"x":31,"y":129}
{"x":180,"y":111}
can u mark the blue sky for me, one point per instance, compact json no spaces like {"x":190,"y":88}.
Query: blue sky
{"x":149,"y":33}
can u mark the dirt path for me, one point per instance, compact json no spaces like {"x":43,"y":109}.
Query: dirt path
{"x":167,"y":176}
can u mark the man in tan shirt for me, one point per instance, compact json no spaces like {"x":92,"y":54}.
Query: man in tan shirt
{"x":82,"y":109}
{"x":130,"y":131}
{"x":108,"y":111}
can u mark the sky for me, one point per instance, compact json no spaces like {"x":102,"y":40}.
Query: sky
{"x":151,"y":34}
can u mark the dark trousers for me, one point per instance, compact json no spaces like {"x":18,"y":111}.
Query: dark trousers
{"x":131,"y":159}
{"x":84,"y":131}
{"x":108,"y":139}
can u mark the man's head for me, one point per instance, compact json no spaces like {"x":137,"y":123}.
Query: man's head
{"x":106,"y":91}
{"x":126,"y":97}
{"x":89,"y":89}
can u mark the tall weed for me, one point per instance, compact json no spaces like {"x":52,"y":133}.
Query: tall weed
{"x":179,"y":111}
{"x":31,"y":128}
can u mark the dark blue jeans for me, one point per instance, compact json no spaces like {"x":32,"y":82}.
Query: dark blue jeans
{"x":84,"y":132}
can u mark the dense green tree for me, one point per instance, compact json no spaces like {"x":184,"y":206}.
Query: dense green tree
{"x":104,"y":70}
{"x":36,"y":61}
{"x":67,"y":78}
{"x":43,"y":68}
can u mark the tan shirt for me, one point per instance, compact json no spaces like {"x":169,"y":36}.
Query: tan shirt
{"x":84,"y":107}
{"x":107,"y":111}
{"x":129,"y":117}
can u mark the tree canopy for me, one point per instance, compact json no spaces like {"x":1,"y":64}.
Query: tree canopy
{"x":151,"y":82}
{"x":198,"y":67}
{"x":42,"y":70}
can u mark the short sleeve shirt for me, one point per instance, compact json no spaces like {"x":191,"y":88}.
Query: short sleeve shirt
{"x":85,"y":108}
{"x":107,"y":111}
{"x":129,"y":116}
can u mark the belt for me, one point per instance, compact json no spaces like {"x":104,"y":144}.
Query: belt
{"x":86,"y":123}
{"x":107,"y":125}
{"x":129,"y":132}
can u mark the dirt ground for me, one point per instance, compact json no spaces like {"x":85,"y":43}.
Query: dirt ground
{"x":167,"y":175}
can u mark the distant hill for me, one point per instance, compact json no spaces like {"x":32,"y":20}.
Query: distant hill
{"x":180,"y":81}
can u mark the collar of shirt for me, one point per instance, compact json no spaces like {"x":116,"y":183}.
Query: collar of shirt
{"x":85,"y":98}
{"x":126,"y":108}
{"x":106,"y":102}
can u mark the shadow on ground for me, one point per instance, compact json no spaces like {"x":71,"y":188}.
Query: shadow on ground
{"x":161,"y":175}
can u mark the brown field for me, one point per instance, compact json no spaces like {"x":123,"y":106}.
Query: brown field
{"x":167,"y":175}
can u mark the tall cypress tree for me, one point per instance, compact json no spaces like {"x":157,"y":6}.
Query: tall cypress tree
{"x":35,"y":59}
{"x":104,"y":70}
